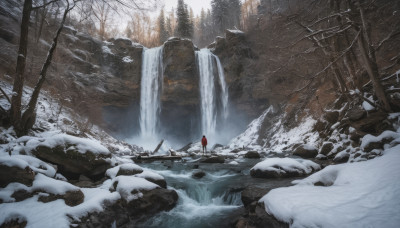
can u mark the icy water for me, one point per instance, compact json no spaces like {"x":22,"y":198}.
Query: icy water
{"x":212,"y":201}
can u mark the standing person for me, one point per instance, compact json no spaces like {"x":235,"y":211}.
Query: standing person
{"x":204,"y":143}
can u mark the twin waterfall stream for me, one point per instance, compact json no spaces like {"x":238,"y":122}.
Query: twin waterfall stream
{"x":151,"y":89}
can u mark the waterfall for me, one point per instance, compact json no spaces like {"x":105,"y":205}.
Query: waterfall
{"x":206,"y":64}
{"x":150,"y":93}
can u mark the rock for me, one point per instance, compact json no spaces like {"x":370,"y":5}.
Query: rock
{"x":341,"y":157}
{"x":326,"y":148}
{"x":21,"y":195}
{"x":153,"y":201}
{"x":214,"y":159}
{"x":355,"y":114}
{"x":198,"y":174}
{"x":73,"y":198}
{"x":180,"y":97}
{"x":128,"y":171}
{"x":10,"y":174}
{"x":84,"y":178}
{"x":72,"y":163}
{"x":321,"y":157}
{"x":160,"y":182}
{"x":14,"y":223}
{"x":259,"y":218}
{"x":127,"y":214}
{"x":374,"y":124}
{"x":373,"y":145}
{"x":252,"y":154}
{"x":252,"y":193}
{"x":331,"y":116}
{"x":235,"y":151}
{"x":306,"y":151}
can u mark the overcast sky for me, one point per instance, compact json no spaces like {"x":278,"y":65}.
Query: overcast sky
{"x":196,"y":5}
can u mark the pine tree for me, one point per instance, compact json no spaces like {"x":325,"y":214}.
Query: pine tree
{"x":183,"y":28}
{"x":162,"y":31}
{"x":168,"y":27}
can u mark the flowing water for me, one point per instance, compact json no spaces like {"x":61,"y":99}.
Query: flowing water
{"x":150,"y":91}
{"x":206,"y":62}
{"x":212,"y":201}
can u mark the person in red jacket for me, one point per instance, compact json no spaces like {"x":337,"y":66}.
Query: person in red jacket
{"x":204,"y":143}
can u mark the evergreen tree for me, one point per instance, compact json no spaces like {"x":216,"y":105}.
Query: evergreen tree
{"x":162,"y":31}
{"x":183,"y":29}
{"x":168,"y":27}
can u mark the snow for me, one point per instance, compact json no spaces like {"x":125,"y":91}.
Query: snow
{"x":367,"y":139}
{"x":93,"y":202}
{"x":363,"y":194}
{"x":149,"y":174}
{"x":36,"y":165}
{"x":106,"y":50}
{"x":236,"y":31}
{"x":300,"y":134}
{"x":82,"y":145}
{"x":249,"y":138}
{"x":367,"y":106}
{"x":112,"y":172}
{"x":127,"y":59}
{"x":50,"y":185}
{"x":129,"y":187}
{"x":283,"y":165}
{"x":12,"y":162}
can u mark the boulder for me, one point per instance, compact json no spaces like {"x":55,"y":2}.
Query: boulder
{"x":127,"y":214}
{"x":306,"y":151}
{"x":214,"y":159}
{"x":331,"y":116}
{"x":326,"y":148}
{"x":71,"y":163}
{"x":10,"y":174}
{"x":355,"y":114}
{"x":160,"y":182}
{"x":252,"y":193}
{"x":198,"y":174}
{"x":128,"y":170}
{"x":252,"y":154}
{"x":341,"y":157}
{"x":373,"y":145}
{"x":283,"y":168}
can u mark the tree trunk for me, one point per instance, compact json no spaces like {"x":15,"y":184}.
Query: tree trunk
{"x":29,"y":116}
{"x":373,"y":73}
{"x":21,"y":62}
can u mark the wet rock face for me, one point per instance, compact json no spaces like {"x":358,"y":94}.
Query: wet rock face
{"x":181,"y":97}
{"x":246,"y":90}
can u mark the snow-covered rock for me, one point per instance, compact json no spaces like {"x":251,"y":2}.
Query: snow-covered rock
{"x":283,"y":167}
{"x":362,"y":194}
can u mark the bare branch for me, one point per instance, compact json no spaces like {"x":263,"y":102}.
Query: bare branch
{"x":4,"y":93}
{"x":44,"y":5}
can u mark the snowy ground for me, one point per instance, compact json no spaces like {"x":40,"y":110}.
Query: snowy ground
{"x":360,"y":194}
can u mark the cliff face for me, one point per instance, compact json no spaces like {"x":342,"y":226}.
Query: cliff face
{"x":180,"y":97}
